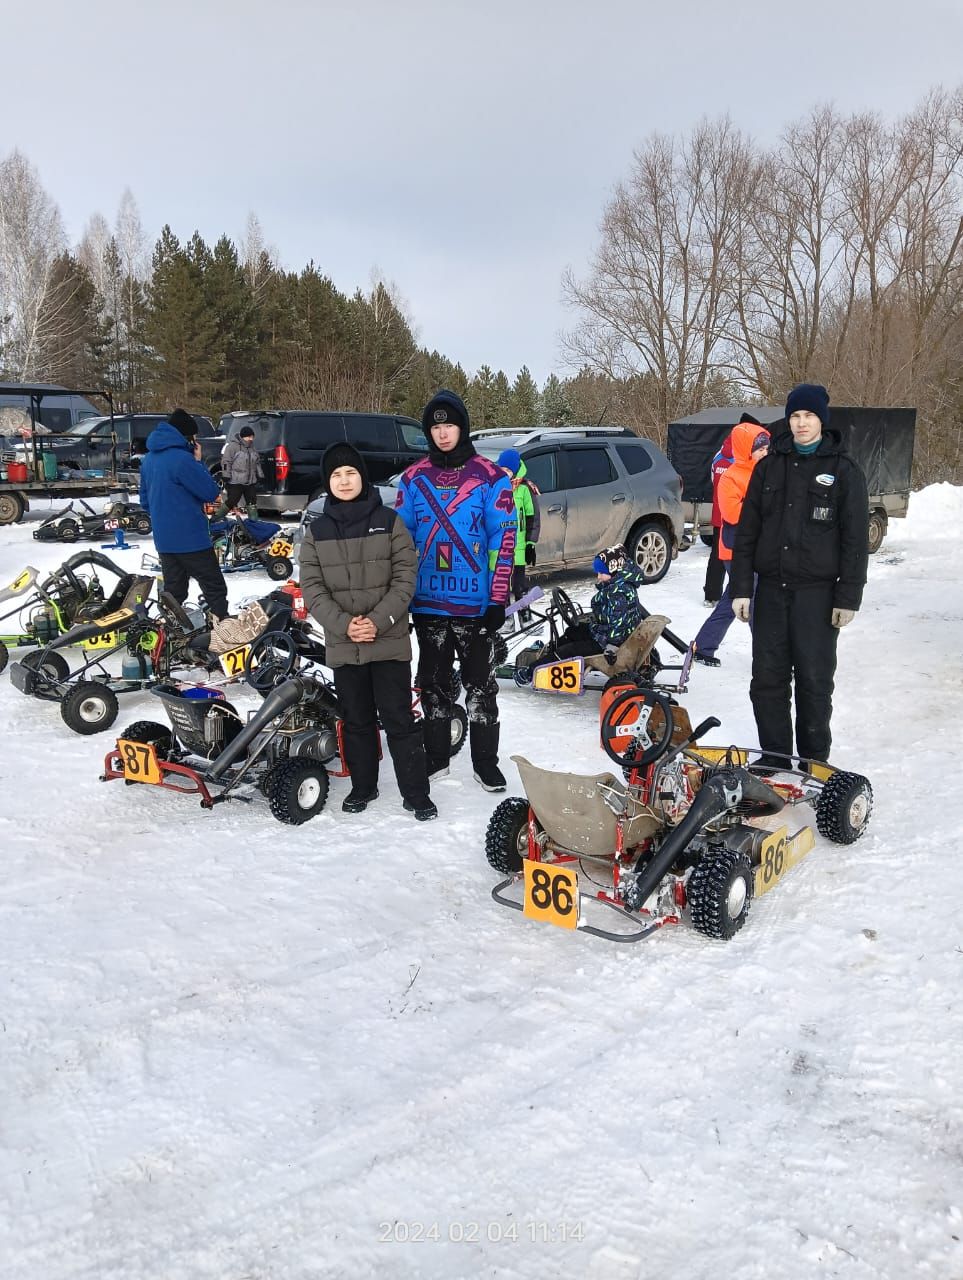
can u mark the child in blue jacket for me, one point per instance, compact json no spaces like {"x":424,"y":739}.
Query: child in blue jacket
{"x":616,"y":610}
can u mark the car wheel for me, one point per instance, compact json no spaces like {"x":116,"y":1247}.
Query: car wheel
{"x":11,"y":508}
{"x":877,"y":532}
{"x":651,"y":551}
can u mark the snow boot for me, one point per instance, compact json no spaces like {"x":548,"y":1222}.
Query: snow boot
{"x":483,"y":739}
{"x":358,"y":801}
{"x":437,"y":736}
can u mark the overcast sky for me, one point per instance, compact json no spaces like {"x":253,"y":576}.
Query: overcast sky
{"x":465,"y":150}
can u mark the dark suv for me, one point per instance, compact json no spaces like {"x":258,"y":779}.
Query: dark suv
{"x":88,"y":445}
{"x":291,"y":443}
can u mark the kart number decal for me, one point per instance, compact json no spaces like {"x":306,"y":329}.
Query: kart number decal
{"x":20,"y":581}
{"x":232,"y":662}
{"x":280,"y":547}
{"x":139,"y":761}
{"x":551,"y":894}
{"x":106,"y":640}
{"x":113,"y":619}
{"x":779,"y":853}
{"x":559,"y":677}
{"x":111,"y":525}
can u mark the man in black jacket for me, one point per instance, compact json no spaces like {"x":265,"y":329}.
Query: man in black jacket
{"x":804,"y":530}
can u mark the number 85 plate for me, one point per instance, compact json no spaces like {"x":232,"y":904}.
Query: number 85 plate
{"x":551,"y":893}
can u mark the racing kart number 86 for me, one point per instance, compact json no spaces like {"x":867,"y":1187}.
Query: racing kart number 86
{"x":551,"y":894}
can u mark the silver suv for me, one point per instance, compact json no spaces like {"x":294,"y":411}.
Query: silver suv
{"x":598,"y":486}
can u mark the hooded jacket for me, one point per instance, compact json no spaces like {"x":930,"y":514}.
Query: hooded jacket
{"x":805,"y":520}
{"x":173,"y":488}
{"x":720,"y":464}
{"x":357,"y":560}
{"x":241,"y":463}
{"x":733,"y":483}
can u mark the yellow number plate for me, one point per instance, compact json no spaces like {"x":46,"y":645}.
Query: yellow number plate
{"x":551,"y":894}
{"x":20,"y":581}
{"x":559,"y":677}
{"x":232,"y":662}
{"x":780,"y":852}
{"x":280,"y":547}
{"x":106,"y":640}
{"x":139,"y":761}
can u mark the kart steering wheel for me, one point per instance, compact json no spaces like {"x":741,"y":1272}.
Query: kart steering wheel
{"x":567,"y":610}
{"x":630,"y":730}
{"x":271,"y":658}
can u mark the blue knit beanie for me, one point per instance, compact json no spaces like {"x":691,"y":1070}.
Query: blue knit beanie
{"x":511,"y":459}
{"x":809,"y":396}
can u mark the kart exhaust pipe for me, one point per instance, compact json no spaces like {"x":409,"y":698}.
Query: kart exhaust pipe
{"x":717,"y":796}
{"x":285,"y":696}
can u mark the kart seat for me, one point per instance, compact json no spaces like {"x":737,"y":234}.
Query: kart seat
{"x":571,"y":809}
{"x":23,"y":584}
{"x":130,"y":590}
{"x":634,"y":651}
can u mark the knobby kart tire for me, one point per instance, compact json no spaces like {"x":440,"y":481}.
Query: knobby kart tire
{"x":506,"y":839}
{"x":459,"y":728}
{"x":720,"y":894}
{"x":89,"y":707}
{"x":53,"y":665}
{"x":4,"y":655}
{"x":279,"y":568}
{"x":844,"y":807}
{"x":158,"y":735}
{"x":296,"y":790}
{"x":454,"y":689}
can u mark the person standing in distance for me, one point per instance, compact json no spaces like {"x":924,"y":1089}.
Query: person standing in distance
{"x":804,"y":530}
{"x":458,"y":508}
{"x":174,"y":486}
{"x":241,"y":470}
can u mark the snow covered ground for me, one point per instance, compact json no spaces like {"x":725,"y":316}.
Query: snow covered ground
{"x":239,"y":1050}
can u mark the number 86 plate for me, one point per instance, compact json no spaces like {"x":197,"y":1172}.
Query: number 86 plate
{"x":551,"y":894}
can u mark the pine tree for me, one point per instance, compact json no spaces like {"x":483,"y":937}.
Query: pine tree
{"x":501,"y":401}
{"x":523,"y":404}
{"x":181,"y":331}
{"x":554,"y":408}
{"x":239,"y":348}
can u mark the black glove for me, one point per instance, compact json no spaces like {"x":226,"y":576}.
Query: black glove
{"x":611,"y":653}
{"x":529,"y":553}
{"x":493,"y":619}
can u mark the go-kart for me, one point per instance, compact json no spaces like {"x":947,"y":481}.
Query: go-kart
{"x":208,"y":750}
{"x":688,"y":832}
{"x":534,"y":654}
{"x":47,"y":609}
{"x":242,"y":544}
{"x":70,"y":524}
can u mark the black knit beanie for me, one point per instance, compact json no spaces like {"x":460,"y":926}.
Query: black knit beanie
{"x":184,"y":423}
{"x":446,"y":406}
{"x":809,"y":396}
{"x":344,"y":455}
{"x":747,"y":417}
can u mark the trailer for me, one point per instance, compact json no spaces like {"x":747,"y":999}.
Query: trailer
{"x":880,"y":440}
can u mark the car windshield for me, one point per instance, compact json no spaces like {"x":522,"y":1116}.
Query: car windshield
{"x":86,"y":427}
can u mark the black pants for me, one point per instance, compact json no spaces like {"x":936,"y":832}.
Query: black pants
{"x":519,"y":582}
{"x":715,"y":569}
{"x":793,"y":641}
{"x":235,"y":492}
{"x":178,"y":567}
{"x":577,"y":642}
{"x":439,"y":640}
{"x":381,"y":691}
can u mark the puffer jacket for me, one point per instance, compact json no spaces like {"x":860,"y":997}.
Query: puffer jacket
{"x":357,"y":560}
{"x":616,"y":611}
{"x":733,"y":483}
{"x":173,"y":488}
{"x":805,"y":520}
{"x":240,"y":463}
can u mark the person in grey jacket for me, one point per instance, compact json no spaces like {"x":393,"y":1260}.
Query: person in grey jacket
{"x":241,"y":470}
{"x":358,"y":566}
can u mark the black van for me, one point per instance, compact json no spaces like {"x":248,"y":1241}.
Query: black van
{"x":291,"y":444}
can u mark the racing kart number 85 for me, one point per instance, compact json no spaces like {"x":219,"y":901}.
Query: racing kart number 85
{"x":559,"y":677}
{"x":551,"y":894}
{"x":139,"y":761}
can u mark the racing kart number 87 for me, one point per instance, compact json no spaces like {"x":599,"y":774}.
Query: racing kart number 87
{"x":139,"y":761}
{"x":551,"y":894}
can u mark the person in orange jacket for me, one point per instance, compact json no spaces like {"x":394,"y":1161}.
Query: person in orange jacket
{"x":750,"y":443}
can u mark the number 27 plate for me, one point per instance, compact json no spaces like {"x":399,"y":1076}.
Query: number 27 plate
{"x":551,"y":894}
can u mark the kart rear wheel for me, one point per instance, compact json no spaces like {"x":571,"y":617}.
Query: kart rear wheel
{"x":279,"y":568}
{"x":459,"y":728}
{"x":53,"y":665}
{"x":4,"y":655}
{"x":68,"y":530}
{"x":844,"y":807}
{"x":89,"y":707}
{"x":142,"y":524}
{"x":506,"y":839}
{"x":149,"y":731}
{"x":296,"y":790}
{"x":720,"y":894}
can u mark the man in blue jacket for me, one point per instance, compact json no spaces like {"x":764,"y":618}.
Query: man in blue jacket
{"x":460,"y":511}
{"x":174,"y":485}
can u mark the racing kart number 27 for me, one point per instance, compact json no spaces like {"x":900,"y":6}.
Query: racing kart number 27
{"x":551,"y":894}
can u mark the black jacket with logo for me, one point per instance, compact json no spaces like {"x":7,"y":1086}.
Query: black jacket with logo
{"x":805,"y":520}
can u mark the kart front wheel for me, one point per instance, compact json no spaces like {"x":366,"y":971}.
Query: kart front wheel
{"x":844,"y":807}
{"x":4,"y":655}
{"x":296,"y":790}
{"x":720,"y":894}
{"x":53,"y":665}
{"x":279,"y":568}
{"x":459,"y":728}
{"x":506,"y":840}
{"x":142,"y":524}
{"x":89,"y":707}
{"x":149,"y":731}
{"x":68,"y":530}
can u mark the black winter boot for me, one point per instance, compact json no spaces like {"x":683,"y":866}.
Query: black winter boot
{"x":483,"y":740}
{"x":437,"y":736}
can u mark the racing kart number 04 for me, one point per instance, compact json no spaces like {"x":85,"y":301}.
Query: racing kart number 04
{"x":139,"y":760}
{"x":551,"y":894}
